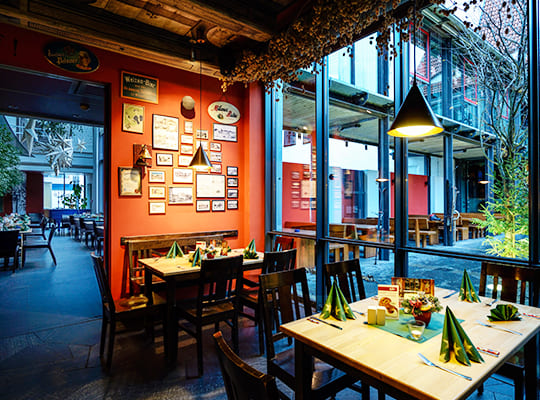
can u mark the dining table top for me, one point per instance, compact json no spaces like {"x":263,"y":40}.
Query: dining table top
{"x":394,"y":361}
{"x":165,"y":267}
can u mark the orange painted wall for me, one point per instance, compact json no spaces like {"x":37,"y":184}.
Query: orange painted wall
{"x":129,"y":216}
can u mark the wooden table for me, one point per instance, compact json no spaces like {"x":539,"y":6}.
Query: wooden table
{"x":176,"y":271}
{"x":390,"y":363}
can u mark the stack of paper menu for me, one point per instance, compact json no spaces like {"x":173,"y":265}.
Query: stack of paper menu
{"x":388,"y":296}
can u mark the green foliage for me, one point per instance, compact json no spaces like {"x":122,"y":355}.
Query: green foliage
{"x":10,"y":176}
{"x":76,"y":200}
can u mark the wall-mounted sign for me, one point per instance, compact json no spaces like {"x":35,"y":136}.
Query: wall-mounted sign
{"x":71,"y":57}
{"x":139,"y":87}
{"x":223,"y":112}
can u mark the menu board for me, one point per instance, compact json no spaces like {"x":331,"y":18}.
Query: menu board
{"x":408,"y":285}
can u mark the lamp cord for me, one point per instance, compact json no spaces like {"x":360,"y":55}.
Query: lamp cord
{"x":414,"y":41}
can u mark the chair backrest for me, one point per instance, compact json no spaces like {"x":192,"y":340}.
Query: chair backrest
{"x":283,"y":243}
{"x":511,"y":283}
{"x":9,"y":240}
{"x":219,"y":282}
{"x":103,"y":283}
{"x":51,"y":234}
{"x":242,"y":381}
{"x":276,"y":261}
{"x":349,"y":277}
{"x":285,"y":298}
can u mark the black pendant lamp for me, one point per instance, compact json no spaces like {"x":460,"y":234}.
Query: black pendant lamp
{"x":200,"y":161}
{"x":415,"y":117}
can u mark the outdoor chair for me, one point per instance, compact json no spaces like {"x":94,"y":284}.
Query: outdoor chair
{"x":274,"y":261}
{"x":217,"y":301}
{"x":285,"y":297}
{"x":39,"y":244}
{"x":242,"y":381}
{"x":518,"y":285}
{"x":122,"y":311}
{"x":9,"y":248}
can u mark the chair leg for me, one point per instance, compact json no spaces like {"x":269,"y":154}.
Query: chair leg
{"x":258,"y":321}
{"x":103,"y":333}
{"x":199,"y":351}
{"x":52,"y":254}
{"x":112,"y":334}
{"x":518,"y":387}
{"x":235,"y":333}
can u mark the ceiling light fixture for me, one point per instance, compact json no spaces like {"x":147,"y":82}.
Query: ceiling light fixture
{"x":415,"y":117}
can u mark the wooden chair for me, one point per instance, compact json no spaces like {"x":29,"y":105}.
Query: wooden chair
{"x":217,"y":301}
{"x":243,"y":382}
{"x":349,"y":277}
{"x":39,"y":244}
{"x":283,"y":243}
{"x":274,"y":261}
{"x":285,"y":297}
{"x":121,"y":311}
{"x":38,"y":230}
{"x":517,"y":285}
{"x":9,"y":248}
{"x":98,"y":237}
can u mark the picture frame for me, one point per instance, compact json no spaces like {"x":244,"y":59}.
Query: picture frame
{"x":184,"y":160}
{"x":210,"y":186}
{"x":232,"y":193}
{"x":232,"y":182}
{"x":188,"y":126}
{"x":202,"y":134}
{"x":156,"y":207}
{"x":304,"y":204}
{"x":218,"y":205}
{"x":295,"y":185}
{"x":225,"y":133}
{"x":164,"y":132}
{"x":295,"y":175}
{"x":164,"y":159}
{"x":289,"y":138}
{"x":232,"y":171}
{"x":204,"y":145}
{"x":156,"y":176}
{"x":182,"y":175}
{"x":132,"y":118}
{"x":202,"y":206}
{"x":180,"y":195}
{"x":215,"y":157}
{"x":139,"y":87}
{"x":214,"y":146}
{"x":129,"y":181}
{"x":295,"y":194}
{"x":156,"y":192}
{"x":186,"y":149}
{"x":232,"y":204}
{"x":216,"y":169}
{"x":295,"y":204}
{"x":186,"y":139}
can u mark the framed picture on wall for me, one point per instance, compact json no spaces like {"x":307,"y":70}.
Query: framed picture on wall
{"x":203,"y":205}
{"x":289,"y":138}
{"x":188,"y":126}
{"x":232,"y":171}
{"x":132,"y":118}
{"x":218,"y":205}
{"x":182,"y":175}
{"x":180,"y":195}
{"x":295,"y":175}
{"x":225,"y":133}
{"x":186,"y":139}
{"x":203,"y":144}
{"x":232,"y":204}
{"x":210,"y":186}
{"x":295,"y":204}
{"x":202,"y":134}
{"x":164,"y":159}
{"x":156,"y":176}
{"x":215,"y":157}
{"x":164,"y":132}
{"x":295,"y":185}
{"x":232,"y":193}
{"x":216,"y":169}
{"x":304,"y":204}
{"x":129,"y":181}
{"x":184,"y":160}
{"x":186,"y":149}
{"x":155,"y":207}
{"x":215,"y":146}
{"x":156,"y":192}
{"x":232,"y":182}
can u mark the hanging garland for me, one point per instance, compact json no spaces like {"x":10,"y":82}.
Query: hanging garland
{"x":330,"y":25}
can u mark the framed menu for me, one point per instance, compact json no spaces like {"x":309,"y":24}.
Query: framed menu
{"x":414,"y":285}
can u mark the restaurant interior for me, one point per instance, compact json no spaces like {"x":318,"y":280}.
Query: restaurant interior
{"x":175,"y":169}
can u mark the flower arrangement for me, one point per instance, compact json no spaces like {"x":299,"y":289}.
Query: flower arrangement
{"x":15,"y":221}
{"x":210,"y":251}
{"x":421,"y":303}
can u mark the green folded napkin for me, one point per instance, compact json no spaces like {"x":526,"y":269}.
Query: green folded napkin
{"x":467,"y":292}
{"x":250,"y":252}
{"x":454,"y":339}
{"x":336,"y":305}
{"x":196,"y":258}
{"x":175,"y":251}
{"x":504,"y":312}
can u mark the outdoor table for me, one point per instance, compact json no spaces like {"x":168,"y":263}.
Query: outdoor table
{"x":176,"y":271}
{"x":391,"y":363}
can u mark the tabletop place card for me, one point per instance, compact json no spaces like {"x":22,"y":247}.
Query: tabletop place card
{"x":388,"y":296}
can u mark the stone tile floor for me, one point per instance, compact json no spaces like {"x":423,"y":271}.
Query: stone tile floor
{"x":50,"y":324}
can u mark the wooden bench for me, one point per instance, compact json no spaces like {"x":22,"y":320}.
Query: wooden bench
{"x":420,"y":231}
{"x":146,"y":246}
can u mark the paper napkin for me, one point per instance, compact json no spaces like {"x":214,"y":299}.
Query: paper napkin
{"x":250,"y":252}
{"x":504,"y":312}
{"x":455,"y":340}
{"x":336,"y":305}
{"x":196,"y":258}
{"x":467,"y":292}
{"x":175,"y":251}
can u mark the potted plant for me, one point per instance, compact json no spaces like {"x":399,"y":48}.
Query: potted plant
{"x":421,"y":306}
{"x":76,"y":200}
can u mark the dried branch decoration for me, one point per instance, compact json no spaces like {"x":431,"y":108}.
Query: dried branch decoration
{"x":329,"y":26}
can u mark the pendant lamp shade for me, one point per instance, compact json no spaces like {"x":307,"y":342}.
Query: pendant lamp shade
{"x":200,"y":160}
{"x":415,"y":117}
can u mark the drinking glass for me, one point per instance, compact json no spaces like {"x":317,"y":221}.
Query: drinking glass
{"x":416,"y":329}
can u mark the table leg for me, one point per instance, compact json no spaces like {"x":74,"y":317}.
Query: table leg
{"x":303,"y":371}
{"x":171,"y":328}
{"x":531,"y":375}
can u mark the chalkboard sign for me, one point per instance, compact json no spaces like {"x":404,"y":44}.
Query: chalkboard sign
{"x":139,"y":87}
